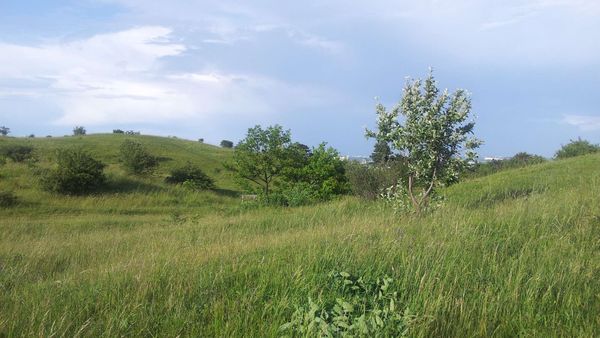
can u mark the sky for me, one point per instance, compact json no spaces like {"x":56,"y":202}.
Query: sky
{"x":212,"y":69}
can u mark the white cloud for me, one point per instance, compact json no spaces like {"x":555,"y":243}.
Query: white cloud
{"x":583,"y":122}
{"x":119,"y":78}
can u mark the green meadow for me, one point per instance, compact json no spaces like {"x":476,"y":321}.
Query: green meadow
{"x":515,"y":253}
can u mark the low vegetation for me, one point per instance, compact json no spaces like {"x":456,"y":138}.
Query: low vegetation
{"x":75,"y":172}
{"x":136,"y":159}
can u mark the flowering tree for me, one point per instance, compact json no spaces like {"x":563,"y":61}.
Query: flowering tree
{"x":434,"y":136}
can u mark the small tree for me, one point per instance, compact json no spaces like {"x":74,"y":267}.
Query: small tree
{"x":136,"y":159}
{"x":262,"y":156}
{"x":79,"y":131}
{"x":201,"y":140}
{"x":118,"y":131}
{"x":4,"y":131}
{"x":381,"y":152}
{"x":76,"y":172}
{"x":576,"y":148}
{"x":226,"y":144}
{"x":433,"y":137}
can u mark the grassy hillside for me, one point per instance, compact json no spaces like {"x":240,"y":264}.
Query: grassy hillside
{"x":513,"y":254}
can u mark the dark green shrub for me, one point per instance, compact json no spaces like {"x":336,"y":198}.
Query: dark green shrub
{"x":17,"y":152}
{"x":76,"y":172}
{"x":226,"y":144}
{"x":7,"y":199}
{"x":136,"y":159}
{"x":79,"y":131}
{"x":576,"y":148}
{"x":190,"y":176}
{"x":118,"y":131}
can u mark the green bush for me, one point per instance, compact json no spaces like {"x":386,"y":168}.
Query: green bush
{"x":7,"y":199}
{"x":76,"y":172}
{"x":370,"y":180}
{"x":519,"y":160}
{"x":576,"y":148}
{"x":118,"y":131}
{"x":190,"y":176}
{"x":17,"y":152}
{"x":136,"y":159}
{"x":364,"y":308}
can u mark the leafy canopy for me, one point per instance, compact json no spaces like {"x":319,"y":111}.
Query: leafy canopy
{"x":433,"y":136}
{"x":262,"y":156}
{"x":576,"y":148}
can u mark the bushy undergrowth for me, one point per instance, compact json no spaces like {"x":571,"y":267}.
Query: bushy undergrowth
{"x":136,"y":159}
{"x":7,"y":199}
{"x":76,"y":172}
{"x":576,"y":148}
{"x":519,"y":160}
{"x":17,"y":152}
{"x":190,"y":176}
{"x":369,"y":181}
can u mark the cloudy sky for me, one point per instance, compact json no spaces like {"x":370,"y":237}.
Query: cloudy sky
{"x":212,"y":69}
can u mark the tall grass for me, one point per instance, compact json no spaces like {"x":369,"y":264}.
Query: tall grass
{"x":512,"y":254}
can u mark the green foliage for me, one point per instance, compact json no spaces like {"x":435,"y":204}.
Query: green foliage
{"x":519,"y":160}
{"x":365,"y":308}
{"x":190,"y":176}
{"x":17,"y":152}
{"x":320,"y":170}
{"x":262,"y":156}
{"x":136,"y":159}
{"x":201,"y":140}
{"x":4,"y":130}
{"x":433,"y":136}
{"x":226,"y":144}
{"x":369,"y":181}
{"x":7,"y":199}
{"x":118,"y":131}
{"x":79,"y":131}
{"x":76,"y":173}
{"x":576,"y":148}
{"x":381,"y":152}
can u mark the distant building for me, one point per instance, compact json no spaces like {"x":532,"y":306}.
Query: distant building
{"x":359,"y":159}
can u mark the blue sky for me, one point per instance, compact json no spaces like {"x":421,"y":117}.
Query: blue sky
{"x":212,"y":69}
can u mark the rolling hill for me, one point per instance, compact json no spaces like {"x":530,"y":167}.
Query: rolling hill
{"x":516,"y":253}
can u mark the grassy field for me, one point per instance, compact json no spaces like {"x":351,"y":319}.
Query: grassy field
{"x":516,"y":253}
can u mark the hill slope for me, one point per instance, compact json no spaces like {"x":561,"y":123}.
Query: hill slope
{"x":512,"y":254}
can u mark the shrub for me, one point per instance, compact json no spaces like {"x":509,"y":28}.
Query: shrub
{"x":519,"y":160}
{"x":118,"y":131}
{"x":364,"y":308}
{"x":576,"y":148}
{"x":136,"y":159}
{"x":370,"y":180}
{"x":17,"y":152}
{"x":79,"y":131}
{"x":226,"y":144}
{"x":76,"y":172}
{"x":7,"y":199}
{"x":190,"y":176}
{"x":131,"y":132}
{"x":201,"y":140}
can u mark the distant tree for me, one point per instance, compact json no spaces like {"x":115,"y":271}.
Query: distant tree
{"x":226,"y":144}
{"x":381,"y":152}
{"x":136,"y":159}
{"x":433,"y":137}
{"x":118,"y":131}
{"x":48,"y":136}
{"x":132,"y":132}
{"x":576,"y":148}
{"x":4,"y":131}
{"x":76,"y":172}
{"x":31,"y":136}
{"x":262,"y":156}
{"x":79,"y":131}
{"x":523,"y":159}
{"x":201,"y":140}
